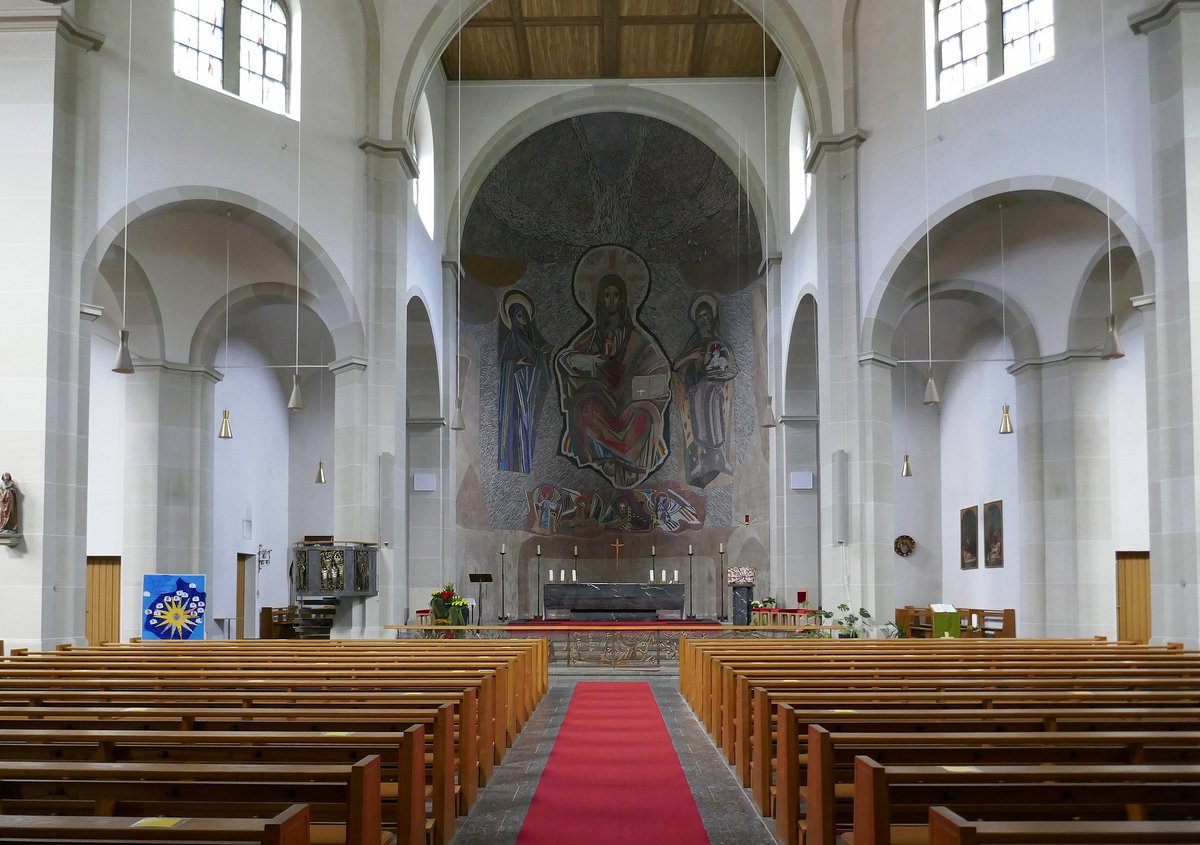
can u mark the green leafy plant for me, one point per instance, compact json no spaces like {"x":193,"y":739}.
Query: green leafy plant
{"x":853,"y":624}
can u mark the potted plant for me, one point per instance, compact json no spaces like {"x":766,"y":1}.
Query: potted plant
{"x":854,"y":625}
{"x":448,"y":607}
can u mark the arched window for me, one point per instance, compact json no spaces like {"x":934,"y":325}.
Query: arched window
{"x":799,"y":142}
{"x":978,"y":41}
{"x":425,"y":194}
{"x":238,"y":46}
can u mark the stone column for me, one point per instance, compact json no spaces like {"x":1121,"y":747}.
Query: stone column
{"x":1172,"y":29}
{"x":44,"y":425}
{"x":1031,"y":482}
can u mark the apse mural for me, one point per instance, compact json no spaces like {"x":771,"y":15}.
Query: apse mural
{"x":524,"y":382}
{"x":702,"y":384}
{"x":559,"y":510}
{"x":612,"y":308}
{"x":613,"y":376}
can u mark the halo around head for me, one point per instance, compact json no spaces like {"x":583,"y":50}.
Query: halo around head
{"x":511,"y":298}
{"x":704,"y":297}
{"x":614,"y":260}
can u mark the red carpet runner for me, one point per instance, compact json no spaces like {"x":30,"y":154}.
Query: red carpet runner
{"x":613,"y":776}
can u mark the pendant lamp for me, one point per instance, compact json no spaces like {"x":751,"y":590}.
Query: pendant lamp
{"x":1006,"y":426}
{"x":906,"y":468}
{"x":932,"y":397}
{"x":320,"y":472}
{"x":457,"y":422}
{"x":124,"y":362}
{"x":295,"y":403}
{"x":225,"y":433}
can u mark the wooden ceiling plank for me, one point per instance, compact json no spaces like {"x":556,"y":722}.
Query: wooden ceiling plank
{"x":700,"y":37}
{"x":522,"y":40}
{"x":611,"y":35}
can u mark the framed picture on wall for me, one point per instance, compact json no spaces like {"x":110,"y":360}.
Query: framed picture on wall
{"x":968,"y":532}
{"x":993,"y":534}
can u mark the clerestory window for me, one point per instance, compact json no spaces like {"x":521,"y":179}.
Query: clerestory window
{"x":978,"y":41}
{"x":237,"y":46}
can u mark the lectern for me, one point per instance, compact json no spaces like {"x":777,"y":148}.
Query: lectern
{"x":480,"y":578}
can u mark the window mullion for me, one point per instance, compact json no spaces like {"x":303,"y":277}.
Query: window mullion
{"x":995,"y":36}
{"x":232,"y":78}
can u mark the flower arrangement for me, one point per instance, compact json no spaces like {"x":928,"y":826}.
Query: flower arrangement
{"x":446,"y":603}
{"x":769,"y":601}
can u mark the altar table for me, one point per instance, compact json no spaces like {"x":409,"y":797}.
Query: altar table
{"x":613,"y":601}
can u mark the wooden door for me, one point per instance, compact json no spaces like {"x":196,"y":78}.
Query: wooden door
{"x":245,"y":584}
{"x":102,"y":602}
{"x":1133,"y":596}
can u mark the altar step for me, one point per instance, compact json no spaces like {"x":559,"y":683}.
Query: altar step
{"x":314,"y":617}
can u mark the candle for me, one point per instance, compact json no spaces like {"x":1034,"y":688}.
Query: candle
{"x":501,"y":548}
{"x":722,"y":548}
{"x":539,"y":551}
{"x":562,"y":575}
{"x":577,"y":551}
{"x":551,"y":574}
{"x":652,"y":574}
{"x":573,"y":578}
{"x":652,"y":551}
{"x":747,"y":519}
{"x":676,"y":578}
{"x":689,"y":548}
{"x":664,"y":575}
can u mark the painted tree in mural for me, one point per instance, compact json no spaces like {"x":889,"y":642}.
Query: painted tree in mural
{"x":702,"y":382}
{"x":613,"y":377}
{"x":524,"y":382}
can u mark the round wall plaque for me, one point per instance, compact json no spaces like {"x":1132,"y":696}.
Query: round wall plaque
{"x":904,"y":545}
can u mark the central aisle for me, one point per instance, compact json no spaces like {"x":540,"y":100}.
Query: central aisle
{"x":613,"y":776}
{"x":728,"y":815}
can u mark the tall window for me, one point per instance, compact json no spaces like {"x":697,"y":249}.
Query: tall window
{"x":982,"y":40}
{"x":238,"y":46}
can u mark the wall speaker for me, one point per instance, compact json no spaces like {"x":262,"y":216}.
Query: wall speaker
{"x":841,"y":497}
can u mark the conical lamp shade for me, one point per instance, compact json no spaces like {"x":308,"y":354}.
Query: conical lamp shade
{"x":457,"y":423}
{"x":320,"y":472}
{"x":1006,"y":422}
{"x":295,"y":403}
{"x":769,"y":413}
{"x":226,"y":433}
{"x":124,"y":364}
{"x":1112,"y":348}
{"x":931,"y":391}
{"x":906,"y":469}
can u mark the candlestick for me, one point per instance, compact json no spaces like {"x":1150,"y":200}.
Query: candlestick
{"x":722,"y":548}
{"x":539,"y":551}
{"x":501,"y":548}
{"x":652,"y":551}
{"x":577,"y":551}
{"x":689,"y":548}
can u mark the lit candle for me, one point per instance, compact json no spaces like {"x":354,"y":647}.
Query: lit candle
{"x":551,"y":574}
{"x":747,"y":519}
{"x":676,"y":578}
{"x":652,"y":551}
{"x":664,"y":575}
{"x":577,"y":551}
{"x":573,"y":578}
{"x":501,"y":548}
{"x":722,"y":548}
{"x":689,"y":548}
{"x":562,"y":575}
{"x":539,"y":551}
{"x":652,"y":574}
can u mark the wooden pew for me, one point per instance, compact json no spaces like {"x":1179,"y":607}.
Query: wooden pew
{"x":402,"y":757}
{"x":892,"y":803}
{"x":831,"y":763}
{"x":290,"y":827}
{"x":343,"y":800}
{"x":949,"y":828}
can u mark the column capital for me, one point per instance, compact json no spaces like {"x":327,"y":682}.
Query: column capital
{"x":348,"y":364}
{"x":163,"y":365}
{"x":401,"y":153}
{"x":42,"y":17}
{"x":851,"y":139}
{"x":878,"y":359}
{"x":1160,"y":14}
{"x":1144,"y":302}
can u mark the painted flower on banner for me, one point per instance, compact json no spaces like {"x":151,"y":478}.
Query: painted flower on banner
{"x":176,"y":615}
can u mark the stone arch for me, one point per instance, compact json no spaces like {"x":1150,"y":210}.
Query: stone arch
{"x":142,"y":316}
{"x":330,"y":289}
{"x":889,"y":300}
{"x":801,"y":357}
{"x":782,"y":24}
{"x":602,"y":99}
{"x":1089,"y":310}
{"x":210,"y":331}
{"x":424,"y":387}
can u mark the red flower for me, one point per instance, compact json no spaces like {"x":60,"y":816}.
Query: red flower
{"x":447,"y":595}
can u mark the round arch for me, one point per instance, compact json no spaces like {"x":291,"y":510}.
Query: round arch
{"x":889,"y":301}
{"x":334,"y":303}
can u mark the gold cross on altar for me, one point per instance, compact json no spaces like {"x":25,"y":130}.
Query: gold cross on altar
{"x":618,"y":545}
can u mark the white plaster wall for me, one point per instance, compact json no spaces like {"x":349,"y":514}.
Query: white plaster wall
{"x":979,"y":466}
{"x":1125,"y":404}
{"x":251,"y":471}
{"x":106,"y":452}
{"x":1033,"y":127}
{"x":916,"y":431}
{"x":308,"y":437}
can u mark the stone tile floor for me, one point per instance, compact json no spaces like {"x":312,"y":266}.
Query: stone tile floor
{"x":725,"y":807}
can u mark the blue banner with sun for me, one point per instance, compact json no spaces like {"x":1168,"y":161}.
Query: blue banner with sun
{"x":173,"y":607}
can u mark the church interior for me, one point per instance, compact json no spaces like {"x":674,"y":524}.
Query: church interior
{"x":511,"y":313}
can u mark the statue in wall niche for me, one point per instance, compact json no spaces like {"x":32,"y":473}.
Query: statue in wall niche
{"x":524,"y":382}
{"x":10,"y":522}
{"x":702,"y":381}
{"x":613,"y":377}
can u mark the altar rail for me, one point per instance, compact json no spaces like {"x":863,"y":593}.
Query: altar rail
{"x":643,"y":644}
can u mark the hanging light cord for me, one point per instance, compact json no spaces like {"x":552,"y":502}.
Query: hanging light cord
{"x":458,"y":217}
{"x":299,"y":130}
{"x":928,"y":248}
{"x":1003,"y":297}
{"x":128,"y":102}
{"x":227,"y":214}
{"x":1107,"y":174}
